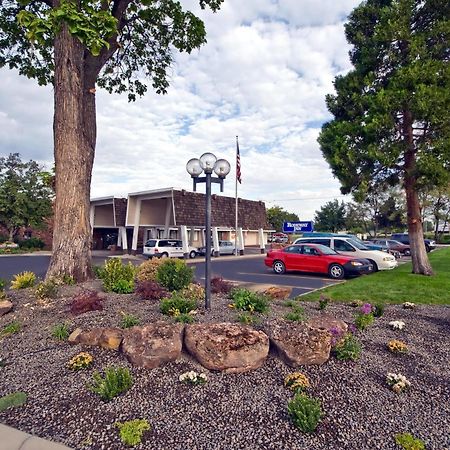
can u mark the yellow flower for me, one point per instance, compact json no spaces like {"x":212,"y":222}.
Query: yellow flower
{"x":297,"y":381}
{"x":396,"y":346}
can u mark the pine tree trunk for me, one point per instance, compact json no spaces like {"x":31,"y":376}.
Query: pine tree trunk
{"x":74,"y":146}
{"x":420,"y":263}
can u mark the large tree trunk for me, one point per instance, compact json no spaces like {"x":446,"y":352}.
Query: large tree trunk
{"x":420,"y":262}
{"x":74,"y":147}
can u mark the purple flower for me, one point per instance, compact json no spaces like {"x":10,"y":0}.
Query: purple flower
{"x":336,"y":335}
{"x":366,"y":308}
{"x":352,"y":328}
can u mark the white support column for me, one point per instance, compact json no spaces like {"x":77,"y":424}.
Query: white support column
{"x":215,"y":241}
{"x":137,"y":218}
{"x":240,"y":241}
{"x":119,"y":238}
{"x":92,"y":217}
{"x":262,"y":244}
{"x":185,"y":241}
{"x":167,"y":220}
{"x":123,"y":232}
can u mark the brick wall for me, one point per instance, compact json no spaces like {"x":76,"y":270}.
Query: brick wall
{"x":120,"y":208}
{"x":190,"y":210}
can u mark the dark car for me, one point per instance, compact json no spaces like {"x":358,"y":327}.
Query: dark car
{"x":316,"y":258}
{"x":404,"y":239}
{"x":393,"y":245}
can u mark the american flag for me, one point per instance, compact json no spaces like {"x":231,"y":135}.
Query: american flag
{"x":238,"y":162}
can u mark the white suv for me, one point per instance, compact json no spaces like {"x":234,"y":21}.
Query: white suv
{"x":166,"y":248}
{"x":349,"y":247}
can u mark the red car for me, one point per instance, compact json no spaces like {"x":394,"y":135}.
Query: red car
{"x":316,"y":258}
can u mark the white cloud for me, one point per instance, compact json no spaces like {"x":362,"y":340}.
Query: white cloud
{"x":263,"y":75}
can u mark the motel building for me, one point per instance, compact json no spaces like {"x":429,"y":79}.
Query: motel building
{"x":171,"y":213}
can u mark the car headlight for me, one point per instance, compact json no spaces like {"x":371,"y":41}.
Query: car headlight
{"x":355,"y":263}
{"x":389,"y":258}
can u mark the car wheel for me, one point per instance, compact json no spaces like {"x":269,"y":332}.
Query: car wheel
{"x":164,"y":255}
{"x":427,"y":247}
{"x":374,"y":265}
{"x":279,"y":267}
{"x":336,"y":271}
{"x":193,"y":254}
{"x":407,"y":252}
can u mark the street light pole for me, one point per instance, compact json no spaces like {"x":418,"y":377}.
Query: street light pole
{"x":208,"y":243}
{"x":207,"y":164}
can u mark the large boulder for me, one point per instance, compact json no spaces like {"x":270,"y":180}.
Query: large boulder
{"x":108,"y":338}
{"x":153,"y":344}
{"x":336,"y":327}
{"x":227,"y":347}
{"x":299,"y":343}
{"x":5,"y":307}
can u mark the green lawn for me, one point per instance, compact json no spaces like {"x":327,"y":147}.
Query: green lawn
{"x":396,"y":286}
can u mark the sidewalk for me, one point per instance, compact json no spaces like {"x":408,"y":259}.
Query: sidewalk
{"x":12,"y":439}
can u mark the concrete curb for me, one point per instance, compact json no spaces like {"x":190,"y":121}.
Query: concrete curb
{"x":12,"y":439}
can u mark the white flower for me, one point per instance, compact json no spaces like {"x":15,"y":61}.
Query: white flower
{"x":397,"y":324}
{"x":409,"y":305}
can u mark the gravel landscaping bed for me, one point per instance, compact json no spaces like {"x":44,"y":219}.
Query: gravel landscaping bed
{"x":231,"y":411}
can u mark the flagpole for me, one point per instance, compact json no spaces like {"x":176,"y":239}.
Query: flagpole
{"x":236,"y":205}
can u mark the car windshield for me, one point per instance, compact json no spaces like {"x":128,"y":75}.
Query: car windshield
{"x":357,"y":245}
{"x":326,"y":250}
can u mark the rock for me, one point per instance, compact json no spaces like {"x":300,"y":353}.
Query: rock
{"x":299,"y":343}
{"x":108,"y":338}
{"x":74,"y":336}
{"x":153,"y":344}
{"x":228,"y":347}
{"x":276,"y":292}
{"x":5,"y":307}
{"x":327,"y":322}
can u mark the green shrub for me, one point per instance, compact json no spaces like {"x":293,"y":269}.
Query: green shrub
{"x":131,"y":431}
{"x":116,"y":381}
{"x":378,"y":310}
{"x":305,"y":412}
{"x":32,"y":243}
{"x":2,"y":284}
{"x":174,"y":274}
{"x":128,"y":321}
{"x":296,"y":315}
{"x":193,"y":292}
{"x":176,"y":305}
{"x":61,"y":331}
{"x":348,"y":349}
{"x":323,"y":302}
{"x":246,"y":300}
{"x":13,"y":327}
{"x":246,"y":318}
{"x":98,"y":271}
{"x":408,"y":442}
{"x":123,"y":287}
{"x":14,"y":399}
{"x":184,"y":318}
{"x":46,"y":289}
{"x":23,"y":280}
{"x":362,"y":321}
{"x":118,"y":277}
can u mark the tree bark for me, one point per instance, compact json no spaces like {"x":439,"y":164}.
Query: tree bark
{"x":74,"y":130}
{"x":420,"y":263}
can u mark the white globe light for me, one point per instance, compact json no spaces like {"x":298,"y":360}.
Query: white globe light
{"x":194,"y":167}
{"x":222,"y":168}
{"x":207,"y":160}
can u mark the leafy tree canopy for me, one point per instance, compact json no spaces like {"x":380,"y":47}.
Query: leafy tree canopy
{"x":330,"y":217}
{"x":277,"y":215}
{"x":126,"y":41}
{"x":400,"y":55}
{"x":25,"y":194}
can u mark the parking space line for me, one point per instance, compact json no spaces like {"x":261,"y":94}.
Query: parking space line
{"x":304,"y":288}
{"x":326,"y":280}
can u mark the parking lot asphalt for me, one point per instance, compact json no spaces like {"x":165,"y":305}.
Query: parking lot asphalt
{"x":246,"y":270}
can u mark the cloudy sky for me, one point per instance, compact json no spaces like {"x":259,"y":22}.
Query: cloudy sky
{"x":263,"y":75}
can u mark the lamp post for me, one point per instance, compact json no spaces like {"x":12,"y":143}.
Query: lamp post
{"x":208,"y":163}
